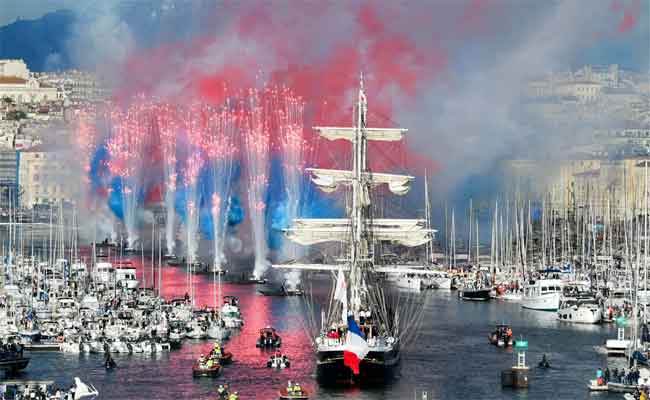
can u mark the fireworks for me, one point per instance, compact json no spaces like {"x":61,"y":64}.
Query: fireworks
{"x":167,"y":129}
{"x":257,"y":140}
{"x":190,"y":153}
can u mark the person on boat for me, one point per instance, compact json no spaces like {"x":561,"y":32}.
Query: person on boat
{"x":108,"y":361}
{"x":233,"y":396}
{"x":289,"y":388}
{"x":606,"y":374}
{"x":222,"y":392}
{"x":217,"y":349}
{"x":509,"y":333}
{"x":297,"y":389}
{"x":599,"y":377}
{"x":202,"y":359}
{"x":544,"y":362}
{"x":333,"y":333}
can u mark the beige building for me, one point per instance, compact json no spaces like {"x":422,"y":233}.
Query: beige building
{"x":43,"y":177}
{"x":17,"y":83}
{"x":587,"y":181}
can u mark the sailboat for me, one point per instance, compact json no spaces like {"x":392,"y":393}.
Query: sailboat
{"x":361,"y":337}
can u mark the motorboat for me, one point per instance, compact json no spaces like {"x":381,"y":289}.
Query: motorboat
{"x":475,"y":294}
{"x":206,"y":368}
{"x":580,"y":311}
{"x":283,"y":290}
{"x":268,"y":338}
{"x":125,"y":276}
{"x":220,"y":355}
{"x":511,"y":296}
{"x":195,"y":330}
{"x":409,"y":281}
{"x":293,"y":394}
{"x":65,"y":307}
{"x":230,"y":312}
{"x":542,"y":294}
{"x":217,"y":330}
{"x":440,"y":280}
{"x":501,"y":336}
{"x":618,"y":346}
{"x":105,"y":274}
{"x":28,"y":389}
{"x":278,"y":361}
{"x":476,"y":289}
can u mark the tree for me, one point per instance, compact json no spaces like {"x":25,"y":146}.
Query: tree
{"x":16,"y":115}
{"x":8,"y":100}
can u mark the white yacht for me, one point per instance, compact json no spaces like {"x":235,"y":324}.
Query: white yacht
{"x":105,"y":274}
{"x":580,"y":311}
{"x":125,"y":276}
{"x":579,"y":305}
{"x":542,"y":294}
{"x":440,"y":280}
{"x":65,"y":307}
{"x":410,"y":281}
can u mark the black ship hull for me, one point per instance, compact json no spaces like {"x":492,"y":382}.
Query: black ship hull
{"x":476,"y":295}
{"x":14,"y":364}
{"x":376,"y":367}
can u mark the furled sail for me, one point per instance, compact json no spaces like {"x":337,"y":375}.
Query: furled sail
{"x":407,"y":232}
{"x":377,"y":134}
{"x":328,"y":180}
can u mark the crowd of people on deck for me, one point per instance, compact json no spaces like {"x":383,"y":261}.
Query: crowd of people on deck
{"x":39,"y":393}
{"x":212,"y":358}
{"x":623,"y":376}
{"x":613,"y":312}
{"x":294,"y":389}
{"x":337,"y":332}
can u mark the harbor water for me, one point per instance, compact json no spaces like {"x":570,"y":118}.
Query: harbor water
{"x":450,"y":359}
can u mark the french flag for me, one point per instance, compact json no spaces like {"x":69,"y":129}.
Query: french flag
{"x":356,"y":347}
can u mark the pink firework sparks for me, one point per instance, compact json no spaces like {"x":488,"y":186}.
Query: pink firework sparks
{"x":216,"y":204}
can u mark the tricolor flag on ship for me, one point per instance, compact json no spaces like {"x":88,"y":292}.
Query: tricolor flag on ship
{"x":356,"y":347}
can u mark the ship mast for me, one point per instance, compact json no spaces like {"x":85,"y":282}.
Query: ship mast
{"x":360,"y":205}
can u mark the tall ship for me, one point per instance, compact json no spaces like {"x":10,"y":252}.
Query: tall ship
{"x":364,"y":324}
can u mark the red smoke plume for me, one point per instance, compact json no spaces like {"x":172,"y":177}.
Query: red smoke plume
{"x":630,"y":16}
{"x":299,"y":48}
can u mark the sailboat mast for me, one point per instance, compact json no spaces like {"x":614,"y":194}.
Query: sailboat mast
{"x":359,"y":197}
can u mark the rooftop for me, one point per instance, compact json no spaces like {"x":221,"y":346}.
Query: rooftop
{"x":11,"y":80}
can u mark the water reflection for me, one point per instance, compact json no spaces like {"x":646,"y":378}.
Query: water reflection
{"x":450,"y":360}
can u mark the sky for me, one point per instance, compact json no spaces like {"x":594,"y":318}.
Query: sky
{"x":452,"y":71}
{"x":10,"y":10}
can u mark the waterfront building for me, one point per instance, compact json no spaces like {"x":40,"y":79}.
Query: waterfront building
{"x":20,"y":85}
{"x":8,"y":177}
{"x":43,"y":177}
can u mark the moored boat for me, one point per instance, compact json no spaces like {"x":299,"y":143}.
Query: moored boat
{"x":542,"y":294}
{"x":205,"y":369}
{"x":480,"y":294}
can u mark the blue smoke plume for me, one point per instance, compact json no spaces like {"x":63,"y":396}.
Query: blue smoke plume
{"x":312,"y":204}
